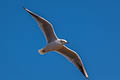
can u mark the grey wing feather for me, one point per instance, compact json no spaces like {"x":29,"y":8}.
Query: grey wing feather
{"x":46,"y":27}
{"x":73,"y":57}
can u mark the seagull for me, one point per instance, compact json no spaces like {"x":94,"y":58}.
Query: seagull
{"x":56,"y":44}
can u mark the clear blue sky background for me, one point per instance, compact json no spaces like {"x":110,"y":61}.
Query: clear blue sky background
{"x":91,"y":26}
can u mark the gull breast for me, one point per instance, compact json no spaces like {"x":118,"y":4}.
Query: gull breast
{"x":53,"y":46}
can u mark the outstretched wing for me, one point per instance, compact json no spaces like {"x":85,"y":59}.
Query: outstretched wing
{"x":46,"y":27}
{"x":73,"y":57}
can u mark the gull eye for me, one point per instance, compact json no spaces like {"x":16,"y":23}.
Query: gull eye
{"x":61,"y":41}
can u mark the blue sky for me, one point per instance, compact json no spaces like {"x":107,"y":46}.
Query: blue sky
{"x":91,"y":26}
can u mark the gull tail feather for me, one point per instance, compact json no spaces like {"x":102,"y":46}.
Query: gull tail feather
{"x":41,"y":51}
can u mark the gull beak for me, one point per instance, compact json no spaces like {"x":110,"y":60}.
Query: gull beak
{"x":67,"y":42}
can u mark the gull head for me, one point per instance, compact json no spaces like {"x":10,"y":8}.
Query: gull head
{"x":62,"y":41}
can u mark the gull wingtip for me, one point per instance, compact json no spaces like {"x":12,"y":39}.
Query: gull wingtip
{"x":26,"y":9}
{"x":87,"y":77}
{"x":23,"y":7}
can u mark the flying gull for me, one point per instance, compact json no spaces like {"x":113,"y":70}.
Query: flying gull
{"x":56,"y":44}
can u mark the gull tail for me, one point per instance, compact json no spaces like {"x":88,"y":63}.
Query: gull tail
{"x":41,"y":51}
